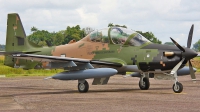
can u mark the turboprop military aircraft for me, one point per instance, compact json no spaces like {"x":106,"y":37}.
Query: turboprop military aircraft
{"x":101,"y":54}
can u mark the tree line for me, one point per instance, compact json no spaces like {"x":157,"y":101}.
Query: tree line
{"x":46,"y":38}
{"x":43,"y":37}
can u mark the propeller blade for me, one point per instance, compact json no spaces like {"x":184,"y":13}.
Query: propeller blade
{"x":192,"y":71}
{"x":190,"y":37}
{"x":175,"y":69}
{"x":181,"y":48}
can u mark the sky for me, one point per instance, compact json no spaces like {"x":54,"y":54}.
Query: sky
{"x":164,"y":18}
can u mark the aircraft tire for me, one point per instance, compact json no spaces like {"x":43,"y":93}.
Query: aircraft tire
{"x":145,"y":84}
{"x":83,"y":87}
{"x":178,"y":88}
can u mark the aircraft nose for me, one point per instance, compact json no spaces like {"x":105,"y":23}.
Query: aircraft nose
{"x":189,"y":53}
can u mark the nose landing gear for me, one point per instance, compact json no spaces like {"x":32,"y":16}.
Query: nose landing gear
{"x":177,"y":87}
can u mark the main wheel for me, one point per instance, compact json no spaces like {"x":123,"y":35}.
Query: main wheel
{"x":178,"y":88}
{"x":145,"y":84}
{"x":83,"y":87}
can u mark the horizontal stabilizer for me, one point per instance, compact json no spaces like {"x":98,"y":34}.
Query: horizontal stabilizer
{"x":17,"y":52}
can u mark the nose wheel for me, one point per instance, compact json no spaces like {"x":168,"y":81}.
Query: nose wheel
{"x":177,"y":87}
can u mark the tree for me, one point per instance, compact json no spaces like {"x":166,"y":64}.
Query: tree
{"x":33,"y":29}
{"x":2,"y":47}
{"x":124,"y":26}
{"x":58,"y":38}
{"x":88,"y":30}
{"x":111,"y":25}
{"x":150,"y":36}
{"x":39,"y":37}
{"x":196,"y":46}
{"x":169,"y":43}
{"x":73,"y":33}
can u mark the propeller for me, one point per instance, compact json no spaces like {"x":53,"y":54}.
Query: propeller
{"x":188,"y":46}
{"x":180,"y":47}
{"x":187,"y":54}
{"x":190,"y":36}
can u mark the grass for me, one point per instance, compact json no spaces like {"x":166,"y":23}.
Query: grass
{"x":17,"y":72}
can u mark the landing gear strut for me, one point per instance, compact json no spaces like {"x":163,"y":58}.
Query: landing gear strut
{"x":177,"y":86}
{"x":83,"y":86}
{"x":144,"y":83}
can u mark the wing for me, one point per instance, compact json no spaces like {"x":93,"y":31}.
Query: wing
{"x":80,"y":64}
{"x":77,"y":66}
{"x":65,"y":62}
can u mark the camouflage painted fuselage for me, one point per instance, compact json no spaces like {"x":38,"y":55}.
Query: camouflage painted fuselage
{"x":147,"y":56}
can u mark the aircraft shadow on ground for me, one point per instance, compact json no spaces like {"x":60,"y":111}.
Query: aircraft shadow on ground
{"x":69,"y":91}
{"x":30,"y":88}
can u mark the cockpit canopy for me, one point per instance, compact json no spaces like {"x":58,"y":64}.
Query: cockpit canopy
{"x":118,"y":35}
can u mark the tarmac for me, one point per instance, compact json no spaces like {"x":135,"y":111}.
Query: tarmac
{"x":22,"y":94}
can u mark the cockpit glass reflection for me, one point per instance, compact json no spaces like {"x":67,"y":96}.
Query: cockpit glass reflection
{"x":100,"y":36}
{"x":138,"y":40}
{"x":118,"y":35}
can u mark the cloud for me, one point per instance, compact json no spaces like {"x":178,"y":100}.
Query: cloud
{"x":166,"y":18}
{"x":87,"y":18}
{"x":107,"y":6}
{"x":3,"y":40}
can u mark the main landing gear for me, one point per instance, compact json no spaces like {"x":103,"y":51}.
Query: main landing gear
{"x":144,"y":83}
{"x":83,"y":86}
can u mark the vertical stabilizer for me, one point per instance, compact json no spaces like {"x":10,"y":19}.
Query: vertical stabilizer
{"x":15,"y":37}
